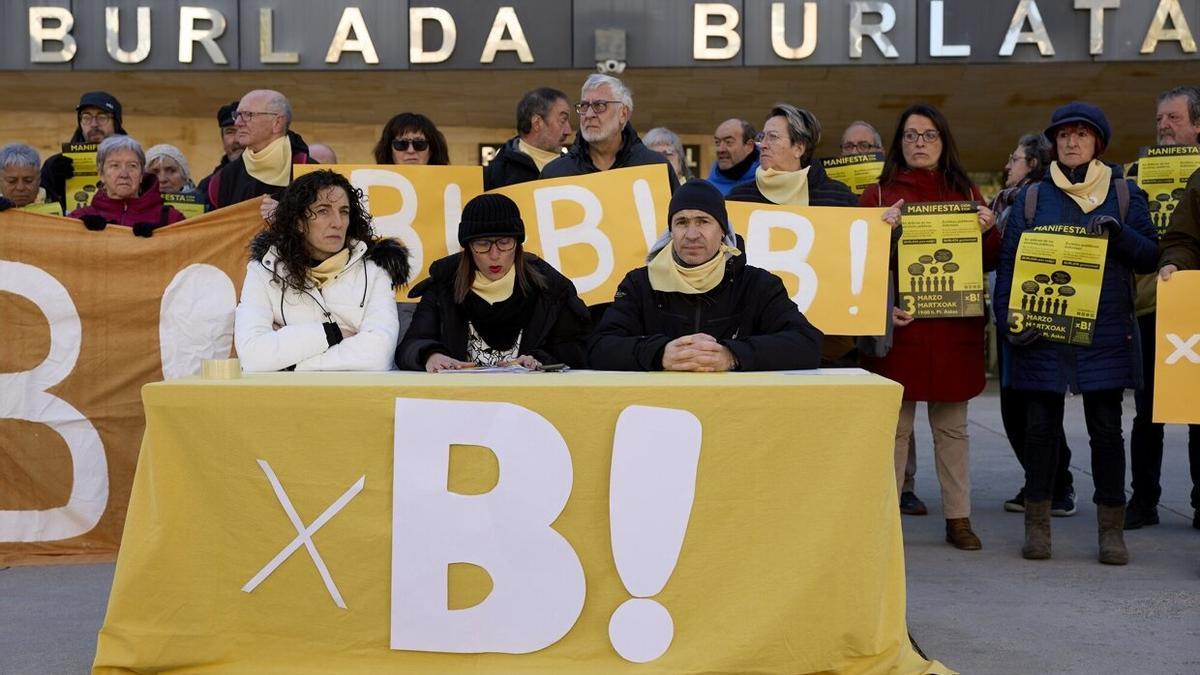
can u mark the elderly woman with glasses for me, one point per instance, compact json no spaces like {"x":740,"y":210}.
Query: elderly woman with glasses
{"x":411,"y":138}
{"x":939,"y":361}
{"x":494,"y":304}
{"x":127,"y":195}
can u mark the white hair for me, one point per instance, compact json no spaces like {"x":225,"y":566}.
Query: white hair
{"x":17,"y":155}
{"x":619,"y":90}
{"x":114,"y":143}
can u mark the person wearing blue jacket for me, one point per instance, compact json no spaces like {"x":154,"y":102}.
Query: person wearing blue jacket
{"x":1079,"y":189}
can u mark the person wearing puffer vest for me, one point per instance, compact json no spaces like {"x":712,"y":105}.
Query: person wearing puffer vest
{"x":1079,"y":189}
{"x":320,"y":288}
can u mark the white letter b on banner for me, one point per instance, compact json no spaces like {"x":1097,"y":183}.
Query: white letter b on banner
{"x":537,"y":580}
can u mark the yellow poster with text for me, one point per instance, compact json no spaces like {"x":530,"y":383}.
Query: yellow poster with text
{"x":1058,"y":273}
{"x":82,"y":186}
{"x":940,"y":260}
{"x":190,"y":205}
{"x":856,"y":171}
{"x":1177,"y":350}
{"x":833,"y":260}
{"x":1163,"y":171}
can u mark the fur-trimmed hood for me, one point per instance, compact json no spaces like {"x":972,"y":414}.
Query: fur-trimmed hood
{"x":390,"y":254}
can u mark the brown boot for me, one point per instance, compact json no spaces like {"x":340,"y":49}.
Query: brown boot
{"x":1037,"y":530}
{"x":1112,"y":535}
{"x":958,"y":533}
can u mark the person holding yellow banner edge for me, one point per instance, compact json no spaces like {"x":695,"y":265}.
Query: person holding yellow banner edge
{"x":1079,"y":190}
{"x":939,"y":361}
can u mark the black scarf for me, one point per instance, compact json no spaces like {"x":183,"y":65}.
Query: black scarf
{"x":738,"y":170}
{"x":501,"y":323}
{"x":1076,"y":175}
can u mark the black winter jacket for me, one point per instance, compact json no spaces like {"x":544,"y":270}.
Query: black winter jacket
{"x":578,"y":160}
{"x":509,"y":167}
{"x":822,"y":190}
{"x":232,"y":184}
{"x":749,"y":312}
{"x":556,"y":332}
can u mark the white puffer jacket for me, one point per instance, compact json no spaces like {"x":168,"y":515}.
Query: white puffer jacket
{"x":276,"y":327}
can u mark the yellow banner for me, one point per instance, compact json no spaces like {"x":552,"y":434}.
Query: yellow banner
{"x":546,"y":523}
{"x":88,"y":318}
{"x":190,"y":205}
{"x":419,"y":205}
{"x":833,"y":260}
{"x":856,"y":171}
{"x":44,"y":208}
{"x":1163,"y":171}
{"x":1058,"y":273}
{"x":1177,"y":350}
{"x":81,"y":187}
{"x":940,"y":260}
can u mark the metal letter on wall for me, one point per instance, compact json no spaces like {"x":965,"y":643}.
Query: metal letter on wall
{"x":266,"y":40}
{"x":352,"y":23}
{"x":1158,"y":31}
{"x":40,"y":34}
{"x":506,"y":23}
{"x":189,"y":34}
{"x":1036,"y":35}
{"x":112,"y":35}
{"x":702,"y":30}
{"x":876,"y":31}
{"x":937,"y":33}
{"x":1096,"y":23}
{"x":779,"y":32}
{"x":417,"y":16}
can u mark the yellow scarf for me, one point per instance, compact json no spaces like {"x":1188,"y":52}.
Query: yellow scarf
{"x":273,"y":165}
{"x":329,"y":268}
{"x":668,"y":276}
{"x":539,"y":156}
{"x":494,"y":291}
{"x":1090,"y":193}
{"x":786,"y":188}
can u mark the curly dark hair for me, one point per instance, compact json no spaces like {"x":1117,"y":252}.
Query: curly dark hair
{"x":439,"y":153}
{"x":286,"y":231}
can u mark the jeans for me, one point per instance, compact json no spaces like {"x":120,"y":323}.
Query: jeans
{"x":1043,"y":444}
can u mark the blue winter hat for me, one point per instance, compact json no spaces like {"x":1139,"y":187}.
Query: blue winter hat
{"x":1085,"y":113}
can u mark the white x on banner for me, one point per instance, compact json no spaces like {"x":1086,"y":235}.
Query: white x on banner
{"x":304,"y":534}
{"x":1183,"y":349}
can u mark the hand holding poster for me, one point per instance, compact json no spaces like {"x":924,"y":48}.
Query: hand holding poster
{"x":940,"y":260}
{"x":82,"y":186}
{"x":1058,"y":272}
{"x":1177,"y":350}
{"x":1163,"y":171}
{"x":856,"y":171}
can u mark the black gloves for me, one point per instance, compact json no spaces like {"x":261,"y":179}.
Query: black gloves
{"x":333,"y":334}
{"x":93,"y":222}
{"x":1023,"y":338}
{"x":1098,"y":224}
{"x":5,"y":204}
{"x":59,"y":168}
{"x":143,"y":229}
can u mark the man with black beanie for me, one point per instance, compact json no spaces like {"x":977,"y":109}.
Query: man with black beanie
{"x":231,"y":148}
{"x":697,"y":306}
{"x":97,"y":117}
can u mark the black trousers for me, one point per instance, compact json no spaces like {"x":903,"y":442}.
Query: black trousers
{"x":1012,"y":415}
{"x":1043,"y":444}
{"x":1146,"y":439}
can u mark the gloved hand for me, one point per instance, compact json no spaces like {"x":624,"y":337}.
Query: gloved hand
{"x":60,"y":168}
{"x":5,"y":204}
{"x":143,"y":229}
{"x":1098,"y":224}
{"x":1023,"y":338}
{"x":93,"y":222}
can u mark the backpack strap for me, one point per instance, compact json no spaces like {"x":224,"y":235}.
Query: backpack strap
{"x":1122,"y":186}
{"x":1031,"y":203}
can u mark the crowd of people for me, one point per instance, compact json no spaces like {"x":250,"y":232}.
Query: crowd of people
{"x":320,"y":287}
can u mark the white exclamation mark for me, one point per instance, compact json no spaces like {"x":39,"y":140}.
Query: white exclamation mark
{"x":651,"y":490}
{"x":858,"y":259}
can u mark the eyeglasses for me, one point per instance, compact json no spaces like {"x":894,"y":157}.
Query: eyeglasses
{"x":402,"y":144}
{"x":771,"y":138}
{"x":598,"y":107}
{"x":1013,"y":159}
{"x":861,"y":146}
{"x":249,"y":115}
{"x":930,"y":136}
{"x":503,"y":244}
{"x":95,"y":118}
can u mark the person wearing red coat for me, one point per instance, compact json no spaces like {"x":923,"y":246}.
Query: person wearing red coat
{"x":939,"y":361}
{"x":127,"y":195}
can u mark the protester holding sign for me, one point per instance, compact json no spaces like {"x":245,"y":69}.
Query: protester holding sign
{"x":940,"y":361}
{"x":697,"y":306}
{"x":494,"y":304}
{"x":97,"y":116}
{"x":1084,"y":198}
{"x":320,"y":287}
{"x":411,"y":138}
{"x":128,"y":196}
{"x":270,"y":148}
{"x":19,"y":181}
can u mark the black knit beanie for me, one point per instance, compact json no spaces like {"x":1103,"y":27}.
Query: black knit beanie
{"x":700,"y":195}
{"x":490,"y":215}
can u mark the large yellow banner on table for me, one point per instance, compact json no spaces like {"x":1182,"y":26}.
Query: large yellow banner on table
{"x":548,"y":523}
{"x":1177,"y":350}
{"x":87,"y":318}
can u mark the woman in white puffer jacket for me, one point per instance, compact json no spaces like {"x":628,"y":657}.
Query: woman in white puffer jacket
{"x":320,"y":288}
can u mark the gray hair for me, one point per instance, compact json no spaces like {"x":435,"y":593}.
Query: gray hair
{"x":664,"y":136}
{"x":869,"y":127}
{"x":803,"y":127}
{"x":17,"y":155}
{"x":619,"y":90}
{"x":1192,"y":94}
{"x":1037,"y":154}
{"x":118,"y":142}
